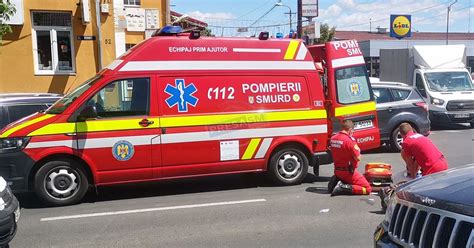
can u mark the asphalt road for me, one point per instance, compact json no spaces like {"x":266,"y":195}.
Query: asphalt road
{"x":223,"y":211}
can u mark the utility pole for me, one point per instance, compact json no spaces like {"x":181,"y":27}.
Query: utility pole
{"x":279,"y":3}
{"x":469,"y":23}
{"x":370,"y":25}
{"x":299,"y":28}
{"x":99,"y":34}
{"x":291,"y":15}
{"x":447,"y":22}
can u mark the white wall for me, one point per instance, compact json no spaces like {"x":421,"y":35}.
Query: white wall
{"x":119,"y":32}
{"x":375,"y":45}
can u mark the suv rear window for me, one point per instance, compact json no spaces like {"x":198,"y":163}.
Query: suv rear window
{"x":399,"y":95}
{"x":19,"y":111}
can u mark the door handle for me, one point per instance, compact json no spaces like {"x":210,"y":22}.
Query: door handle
{"x":145,"y":122}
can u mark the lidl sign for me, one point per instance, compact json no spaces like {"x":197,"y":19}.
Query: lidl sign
{"x":400,"y":26}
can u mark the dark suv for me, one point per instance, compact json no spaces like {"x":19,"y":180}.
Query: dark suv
{"x":16,"y":106}
{"x":9,"y":213}
{"x":398,"y":103}
{"x":433,"y":211}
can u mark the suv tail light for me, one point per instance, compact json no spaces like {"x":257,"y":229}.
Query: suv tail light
{"x":422,"y":105}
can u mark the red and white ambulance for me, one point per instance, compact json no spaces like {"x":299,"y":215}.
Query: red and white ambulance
{"x":180,"y":105}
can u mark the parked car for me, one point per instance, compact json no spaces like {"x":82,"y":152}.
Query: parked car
{"x":9,"y":213}
{"x":16,"y":106}
{"x":398,"y":103}
{"x":433,"y":211}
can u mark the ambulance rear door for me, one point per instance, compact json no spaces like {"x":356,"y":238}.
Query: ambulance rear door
{"x":350,"y":94}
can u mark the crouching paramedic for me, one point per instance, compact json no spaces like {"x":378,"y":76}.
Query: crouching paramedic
{"x":346,"y":156}
{"x":418,"y":153}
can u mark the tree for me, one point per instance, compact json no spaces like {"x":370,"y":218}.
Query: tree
{"x":327,"y":34}
{"x":7,"y":10}
{"x":206,"y":32}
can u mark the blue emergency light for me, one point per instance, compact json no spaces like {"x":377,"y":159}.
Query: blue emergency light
{"x":168,"y":30}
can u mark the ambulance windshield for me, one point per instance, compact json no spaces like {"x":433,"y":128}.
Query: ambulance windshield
{"x":68,"y":99}
{"x":449,"y":81}
{"x":352,"y":85}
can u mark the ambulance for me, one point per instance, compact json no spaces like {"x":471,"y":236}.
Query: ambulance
{"x":179,"y":105}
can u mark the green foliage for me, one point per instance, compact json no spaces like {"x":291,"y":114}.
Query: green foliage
{"x":206,"y":32}
{"x":6,"y":11}
{"x":327,"y":33}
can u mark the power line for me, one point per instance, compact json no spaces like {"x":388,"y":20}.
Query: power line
{"x":263,"y":26}
{"x":257,"y":8}
{"x":261,"y":17}
{"x":442,"y":15}
{"x":384,"y":19}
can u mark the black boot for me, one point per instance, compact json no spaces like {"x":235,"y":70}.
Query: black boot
{"x":332,"y":183}
{"x":342,"y":189}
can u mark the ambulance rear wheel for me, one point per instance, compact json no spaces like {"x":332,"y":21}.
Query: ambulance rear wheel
{"x":288,"y":166}
{"x":60,"y":182}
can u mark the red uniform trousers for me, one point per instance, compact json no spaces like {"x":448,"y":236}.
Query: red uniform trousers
{"x":360,"y":185}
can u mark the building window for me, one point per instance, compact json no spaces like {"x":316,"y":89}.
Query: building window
{"x":53,"y":43}
{"x":131,"y":2}
{"x":129,"y":46}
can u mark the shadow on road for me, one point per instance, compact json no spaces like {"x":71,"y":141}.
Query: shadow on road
{"x":171,"y":187}
{"x":379,"y":212}
{"x":446,"y":127}
{"x":162,"y":188}
{"x":318,"y":190}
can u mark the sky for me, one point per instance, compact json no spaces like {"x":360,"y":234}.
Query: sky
{"x":224,"y":16}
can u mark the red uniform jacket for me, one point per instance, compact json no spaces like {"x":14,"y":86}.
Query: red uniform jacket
{"x":427,"y":156}
{"x":344,"y":148}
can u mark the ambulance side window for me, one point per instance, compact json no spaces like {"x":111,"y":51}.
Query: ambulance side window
{"x":353,"y":85}
{"x":127,"y":97}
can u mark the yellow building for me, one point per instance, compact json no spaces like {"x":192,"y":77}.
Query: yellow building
{"x":56,"y":44}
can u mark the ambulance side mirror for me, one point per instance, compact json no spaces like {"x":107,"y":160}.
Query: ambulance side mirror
{"x":89,"y":112}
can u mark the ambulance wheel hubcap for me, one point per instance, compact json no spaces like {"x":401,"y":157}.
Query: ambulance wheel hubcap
{"x":289,"y":166}
{"x":61,"y":183}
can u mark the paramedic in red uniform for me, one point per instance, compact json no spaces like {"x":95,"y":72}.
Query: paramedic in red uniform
{"x":419,"y":152}
{"x":346,"y":156}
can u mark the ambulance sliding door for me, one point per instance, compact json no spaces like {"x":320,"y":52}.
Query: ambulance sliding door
{"x":217,"y":124}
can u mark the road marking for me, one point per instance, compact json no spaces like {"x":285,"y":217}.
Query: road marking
{"x":144,"y":210}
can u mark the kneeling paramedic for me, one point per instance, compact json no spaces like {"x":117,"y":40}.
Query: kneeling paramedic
{"x":346,"y":156}
{"x":418,"y":153}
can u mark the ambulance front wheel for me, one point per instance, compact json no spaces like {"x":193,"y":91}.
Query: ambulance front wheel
{"x":60,"y":182}
{"x":288,"y":166}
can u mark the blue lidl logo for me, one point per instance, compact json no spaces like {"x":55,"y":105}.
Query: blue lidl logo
{"x":400,"y":26}
{"x":181,"y":95}
{"x":354,"y":89}
{"x":123,"y":150}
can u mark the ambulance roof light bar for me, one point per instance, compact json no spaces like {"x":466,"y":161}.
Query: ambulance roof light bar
{"x":168,"y":31}
{"x":263,"y":36}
